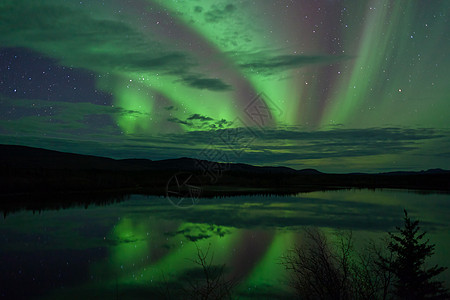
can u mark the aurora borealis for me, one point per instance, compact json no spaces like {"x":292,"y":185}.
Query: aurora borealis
{"x":126,"y":248}
{"x":351,"y":85}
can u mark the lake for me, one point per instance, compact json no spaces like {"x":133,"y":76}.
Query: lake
{"x":137,"y":248}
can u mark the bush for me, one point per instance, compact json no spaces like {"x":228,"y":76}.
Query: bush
{"x":207,"y":281}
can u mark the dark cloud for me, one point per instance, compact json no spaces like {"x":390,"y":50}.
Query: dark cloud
{"x":93,"y":121}
{"x":169,"y":108}
{"x":75,"y":38}
{"x":216,"y":14}
{"x":311,"y":149}
{"x":199,"y":117}
{"x":201,"y":83}
{"x":343,"y":137}
{"x":289,"y":146}
{"x":305,"y":211}
{"x":176,"y":120}
{"x":198,"y":121}
{"x":355,"y":135}
{"x":267,"y":64}
{"x":9,"y":111}
{"x":268,"y":147}
{"x":60,"y":119}
{"x":127,"y":112}
{"x":71,"y":35}
{"x":173,"y":63}
{"x":195,"y":232}
{"x":223,"y":123}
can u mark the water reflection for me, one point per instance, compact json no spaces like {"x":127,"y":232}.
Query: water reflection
{"x":36,"y":203}
{"x":133,"y":248}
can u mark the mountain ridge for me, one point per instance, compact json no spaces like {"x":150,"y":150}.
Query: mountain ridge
{"x":31,"y":157}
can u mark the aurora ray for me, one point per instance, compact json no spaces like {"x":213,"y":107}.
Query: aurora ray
{"x":149,"y":67}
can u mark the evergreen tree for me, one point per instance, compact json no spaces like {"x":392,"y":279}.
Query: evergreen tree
{"x":412,"y":279}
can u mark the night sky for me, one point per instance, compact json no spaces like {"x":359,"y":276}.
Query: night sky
{"x":340,"y":86}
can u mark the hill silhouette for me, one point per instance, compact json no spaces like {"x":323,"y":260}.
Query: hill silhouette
{"x":35,"y":170}
{"x":29,"y":157}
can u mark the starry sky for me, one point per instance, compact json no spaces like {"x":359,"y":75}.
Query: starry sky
{"x":336,"y":85}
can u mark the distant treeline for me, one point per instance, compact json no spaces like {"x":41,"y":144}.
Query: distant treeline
{"x":26,"y":170}
{"x":154,"y":182}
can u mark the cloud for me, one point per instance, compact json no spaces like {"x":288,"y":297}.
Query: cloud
{"x":197,"y":121}
{"x":176,"y":120}
{"x":337,"y":149}
{"x":60,"y":119}
{"x":306,"y":211}
{"x":11,"y":112}
{"x":267,"y":64}
{"x":355,"y":135}
{"x":195,"y":232}
{"x":343,"y":137}
{"x":216,"y":14}
{"x":346,"y":152}
{"x":170,"y":107}
{"x":23,"y":116}
{"x":77,"y":38}
{"x":212,"y":84}
{"x":285,"y":146}
{"x":199,"y":117}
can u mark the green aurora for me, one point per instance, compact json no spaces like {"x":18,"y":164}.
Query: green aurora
{"x":350,"y":85}
{"x":143,"y":243}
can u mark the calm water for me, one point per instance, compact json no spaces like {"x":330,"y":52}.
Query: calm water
{"x":124,"y":250}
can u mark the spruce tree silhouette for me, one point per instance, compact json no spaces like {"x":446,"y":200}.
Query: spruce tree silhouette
{"x":412,"y":279}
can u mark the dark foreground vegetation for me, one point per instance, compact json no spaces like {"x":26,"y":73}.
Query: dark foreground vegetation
{"x":331,"y":268}
{"x":207,"y":281}
{"x":396,"y":270}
